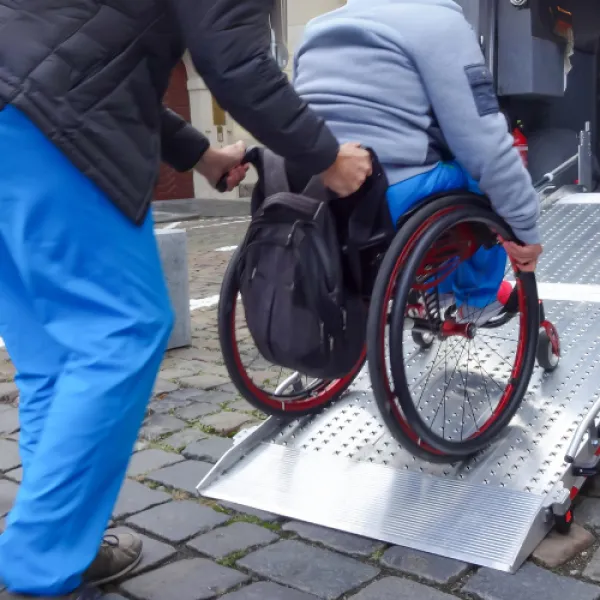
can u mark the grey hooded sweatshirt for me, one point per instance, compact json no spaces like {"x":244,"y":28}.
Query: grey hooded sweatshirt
{"x":408,"y":79}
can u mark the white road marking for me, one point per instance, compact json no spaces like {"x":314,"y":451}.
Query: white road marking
{"x":565,"y":292}
{"x":221,"y":224}
{"x":569,"y":292}
{"x":171,"y":226}
{"x":581,"y":199}
{"x":204,"y":302}
{"x":226,"y":249}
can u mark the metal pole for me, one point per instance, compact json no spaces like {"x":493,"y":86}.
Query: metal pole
{"x":585,"y":158}
{"x":279,"y":28}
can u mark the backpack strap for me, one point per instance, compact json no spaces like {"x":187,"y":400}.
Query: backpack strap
{"x":316,"y":189}
{"x":274,"y":174}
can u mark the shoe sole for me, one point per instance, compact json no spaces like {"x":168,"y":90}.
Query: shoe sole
{"x":120,"y":574}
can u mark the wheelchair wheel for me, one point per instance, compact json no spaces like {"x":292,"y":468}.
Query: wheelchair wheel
{"x":269,"y":388}
{"x":454,"y":399}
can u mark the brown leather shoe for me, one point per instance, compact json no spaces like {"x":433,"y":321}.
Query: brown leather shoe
{"x":118,"y":555}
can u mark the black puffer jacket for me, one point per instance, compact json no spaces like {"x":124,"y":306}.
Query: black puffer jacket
{"x":92,"y":73}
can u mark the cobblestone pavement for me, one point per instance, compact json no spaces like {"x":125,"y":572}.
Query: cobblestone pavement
{"x":196,"y":549}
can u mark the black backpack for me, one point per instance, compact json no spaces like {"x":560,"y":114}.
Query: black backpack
{"x":299,"y":310}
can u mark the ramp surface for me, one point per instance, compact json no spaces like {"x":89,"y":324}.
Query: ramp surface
{"x":342,"y":469}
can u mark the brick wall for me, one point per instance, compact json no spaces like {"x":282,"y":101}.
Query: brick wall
{"x":172,"y":185}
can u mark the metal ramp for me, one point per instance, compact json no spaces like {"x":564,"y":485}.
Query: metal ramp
{"x":343,"y":470}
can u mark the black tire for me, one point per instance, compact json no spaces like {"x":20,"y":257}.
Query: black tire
{"x":529,"y":306}
{"x":378,"y":320}
{"x":423,"y":340}
{"x":546,"y":358}
{"x":311,"y":402}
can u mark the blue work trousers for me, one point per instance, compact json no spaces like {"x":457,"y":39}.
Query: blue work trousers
{"x":85,"y":316}
{"x":475,"y":282}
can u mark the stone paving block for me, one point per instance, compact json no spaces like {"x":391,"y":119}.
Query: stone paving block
{"x":197,"y":410}
{"x":112,"y":597}
{"x":136,"y":497}
{"x":9,"y":420}
{"x":529,"y":583}
{"x":184,"y":438}
{"x":178,"y":520}
{"x":9,"y":455}
{"x":236,"y":537}
{"x":203,"y":382}
{"x":191,"y":579}
{"x":15,"y":474}
{"x":592,"y":571}
{"x":558,"y":549}
{"x":336,"y":540}
{"x":251,"y":512}
{"x":313,"y":570}
{"x":267,"y":591}
{"x":226,"y":422}
{"x":436,"y":569}
{"x":150,"y":460}
{"x":8,"y":493}
{"x":241,"y":405}
{"x":183,"y":395}
{"x":210,"y":449}
{"x":153,"y":552}
{"x":393,"y":588}
{"x":158,"y":426}
{"x":2,"y":527}
{"x":162,"y":386}
{"x":9,"y":392}
{"x":588,"y":512}
{"x":182,"y":476}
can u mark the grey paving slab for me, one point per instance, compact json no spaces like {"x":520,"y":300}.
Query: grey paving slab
{"x":157,"y":426}
{"x":234,"y":538}
{"x":251,"y":512}
{"x":209,"y":450}
{"x":178,"y":520}
{"x":394,"y":588}
{"x":9,"y":420}
{"x":8,"y":391}
{"x":336,"y":540}
{"x":227,"y":422}
{"x":588,"y":512}
{"x":151,"y":460}
{"x":183,"y":438}
{"x":529,"y":583}
{"x":203,"y":382}
{"x":267,"y":591}
{"x":153,"y":551}
{"x":592,"y":570}
{"x":436,"y":569}
{"x":15,"y":474}
{"x":308,"y":569}
{"x":9,"y":455}
{"x":182,"y":476}
{"x":557,"y":549}
{"x":191,"y":579}
{"x":8,"y":493}
{"x":136,"y":497}
{"x":196,"y":410}
{"x":163,"y":386}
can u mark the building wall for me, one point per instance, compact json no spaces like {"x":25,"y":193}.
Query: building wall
{"x":299,"y":13}
{"x":171,"y":184}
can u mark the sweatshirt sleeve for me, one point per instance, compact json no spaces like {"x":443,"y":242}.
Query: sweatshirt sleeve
{"x":461,"y":91}
{"x":229,"y":42}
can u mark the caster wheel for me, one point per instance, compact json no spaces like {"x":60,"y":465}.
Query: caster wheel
{"x":546,"y":357}
{"x":423,"y":340}
{"x":562,"y":524}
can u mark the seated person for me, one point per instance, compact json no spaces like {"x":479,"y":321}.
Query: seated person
{"x":408,"y":79}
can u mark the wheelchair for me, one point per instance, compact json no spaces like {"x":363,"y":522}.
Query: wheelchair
{"x":445,"y":388}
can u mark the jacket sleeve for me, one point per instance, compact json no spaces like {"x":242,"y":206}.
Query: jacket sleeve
{"x":182,"y":145}
{"x":462,"y":95}
{"x":229,"y":41}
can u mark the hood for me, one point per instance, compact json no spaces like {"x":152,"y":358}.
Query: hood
{"x":441,"y":3}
